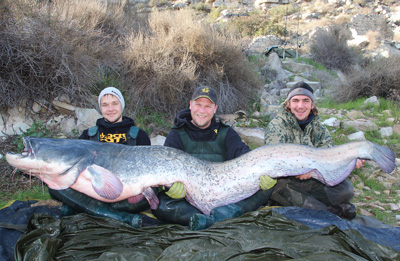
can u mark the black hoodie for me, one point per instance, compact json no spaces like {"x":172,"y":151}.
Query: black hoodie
{"x":113,"y":129}
{"x":234,"y":144}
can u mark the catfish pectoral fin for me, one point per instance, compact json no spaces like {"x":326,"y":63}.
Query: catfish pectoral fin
{"x":151,"y":198}
{"x":135,"y":199}
{"x":105,"y":183}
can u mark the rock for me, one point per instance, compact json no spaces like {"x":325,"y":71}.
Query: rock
{"x":158,"y":140}
{"x":357,"y":136}
{"x":68,"y":126}
{"x":332,"y":122}
{"x":387,"y":113}
{"x":396,"y":128}
{"x":36,"y":107}
{"x":86,"y":118}
{"x":394,"y":207}
{"x":372,"y":100}
{"x":256,"y":114}
{"x":64,"y":107}
{"x":251,"y":135}
{"x":361,"y":125}
{"x":270,"y":110}
{"x":386,"y":132}
{"x":354,"y":115}
{"x":365,"y":212}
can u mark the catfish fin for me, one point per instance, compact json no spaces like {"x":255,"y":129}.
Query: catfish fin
{"x":135,"y":199}
{"x":105,"y":183}
{"x":151,"y":198}
{"x":384,"y":157}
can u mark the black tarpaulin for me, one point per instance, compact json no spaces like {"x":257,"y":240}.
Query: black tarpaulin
{"x":257,"y":235}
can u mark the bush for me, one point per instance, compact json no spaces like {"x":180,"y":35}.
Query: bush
{"x":162,"y":68}
{"x":256,"y":25}
{"x":373,"y":77}
{"x":53,"y":49}
{"x":330,"y":49}
{"x":75,"y":48}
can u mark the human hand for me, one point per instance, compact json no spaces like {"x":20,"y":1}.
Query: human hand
{"x":359,"y":163}
{"x":266,"y":182}
{"x":304,"y":176}
{"x":177,"y":190}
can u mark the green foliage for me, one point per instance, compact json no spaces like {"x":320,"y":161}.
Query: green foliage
{"x":256,"y":25}
{"x":106,"y":78}
{"x":34,"y":193}
{"x":75,"y":132}
{"x":308,"y":61}
{"x":203,"y":7}
{"x":158,"y":3}
{"x":214,"y":13}
{"x":280,"y":11}
{"x":38,"y":129}
{"x":151,"y":121}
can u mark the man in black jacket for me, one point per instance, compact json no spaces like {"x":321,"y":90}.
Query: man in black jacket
{"x":197,"y":132}
{"x":115,"y":128}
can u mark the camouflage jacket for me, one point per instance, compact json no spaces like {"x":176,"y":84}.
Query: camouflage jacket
{"x":285,"y":129}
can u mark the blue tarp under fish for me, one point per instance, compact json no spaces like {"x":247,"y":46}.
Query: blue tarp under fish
{"x":38,"y":233}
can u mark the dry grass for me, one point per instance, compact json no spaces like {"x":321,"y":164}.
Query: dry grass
{"x":373,"y":39}
{"x":369,"y":79}
{"x":179,"y":53}
{"x":53,"y":49}
{"x":329,"y":48}
{"x":75,"y":48}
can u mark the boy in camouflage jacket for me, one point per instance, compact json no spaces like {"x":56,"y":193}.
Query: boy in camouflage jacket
{"x":298,"y":122}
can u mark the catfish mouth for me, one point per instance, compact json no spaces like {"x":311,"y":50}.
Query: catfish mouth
{"x":27,"y":152}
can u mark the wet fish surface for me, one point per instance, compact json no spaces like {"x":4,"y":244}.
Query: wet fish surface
{"x":112,"y":172}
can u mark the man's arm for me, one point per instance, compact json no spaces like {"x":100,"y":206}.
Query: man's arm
{"x":84,"y":135}
{"x":173,"y":140}
{"x":275,"y":133}
{"x":142,"y":138}
{"x":234,"y":145}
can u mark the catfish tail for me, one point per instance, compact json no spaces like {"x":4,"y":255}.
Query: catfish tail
{"x":384,"y":157}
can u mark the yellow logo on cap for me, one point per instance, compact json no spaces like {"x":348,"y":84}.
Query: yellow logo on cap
{"x":216,"y":131}
{"x":206,"y":90}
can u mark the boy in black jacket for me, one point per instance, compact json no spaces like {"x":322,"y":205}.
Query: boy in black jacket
{"x":115,"y":128}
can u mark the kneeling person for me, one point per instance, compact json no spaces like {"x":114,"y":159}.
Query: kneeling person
{"x":115,"y":128}
{"x":197,"y":132}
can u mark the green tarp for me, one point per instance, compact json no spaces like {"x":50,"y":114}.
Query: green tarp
{"x":258,"y":235}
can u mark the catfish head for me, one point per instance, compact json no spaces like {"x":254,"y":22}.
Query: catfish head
{"x":57,"y":162}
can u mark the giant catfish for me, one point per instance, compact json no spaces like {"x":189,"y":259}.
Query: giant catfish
{"x":111,"y":172}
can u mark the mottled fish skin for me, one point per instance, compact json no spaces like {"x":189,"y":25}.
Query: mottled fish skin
{"x":112,"y":172}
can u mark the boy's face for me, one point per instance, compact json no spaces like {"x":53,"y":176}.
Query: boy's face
{"x":202,"y":111}
{"x":111,"y":108}
{"x":301,"y":106}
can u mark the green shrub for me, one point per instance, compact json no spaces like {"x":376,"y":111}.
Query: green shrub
{"x":256,"y":25}
{"x":281,"y":11}
{"x":37,"y":129}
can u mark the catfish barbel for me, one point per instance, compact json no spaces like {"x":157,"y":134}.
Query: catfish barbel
{"x":112,"y":172}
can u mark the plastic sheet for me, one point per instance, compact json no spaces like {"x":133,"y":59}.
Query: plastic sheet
{"x":13,"y":223}
{"x":263,"y":234}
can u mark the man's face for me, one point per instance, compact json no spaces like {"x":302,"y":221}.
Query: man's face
{"x":301,"y":106}
{"x":111,"y":108}
{"x":202,"y":111}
